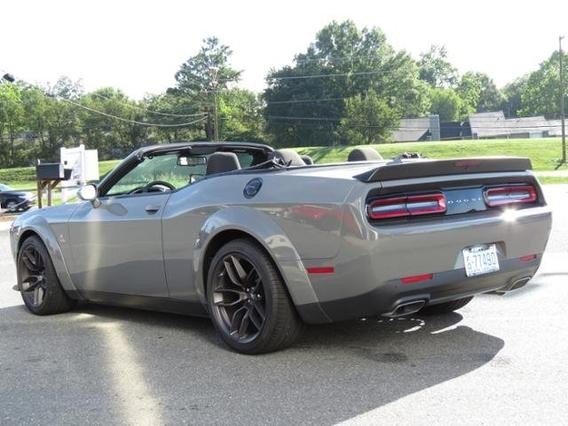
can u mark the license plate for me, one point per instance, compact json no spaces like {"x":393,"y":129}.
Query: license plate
{"x":480,"y":260}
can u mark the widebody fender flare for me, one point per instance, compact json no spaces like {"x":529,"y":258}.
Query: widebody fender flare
{"x":266,"y":232}
{"x":39,"y":226}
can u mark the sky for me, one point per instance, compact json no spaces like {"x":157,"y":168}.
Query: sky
{"x":138,"y":46}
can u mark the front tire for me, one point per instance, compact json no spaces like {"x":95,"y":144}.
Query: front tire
{"x":248,"y":302}
{"x":37,"y":281}
{"x":446,"y":308}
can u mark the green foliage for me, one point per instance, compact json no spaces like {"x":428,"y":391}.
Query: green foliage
{"x":17,"y":174}
{"x":11,"y":121}
{"x":541,"y":93}
{"x":204,"y":77}
{"x":240,"y":113}
{"x":349,"y":86}
{"x":435,"y":69}
{"x":512,"y":93}
{"x":304,"y":110}
{"x":479,"y":92}
{"x":368,"y":119}
{"x":448,"y":104}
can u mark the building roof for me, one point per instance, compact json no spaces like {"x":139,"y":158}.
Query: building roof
{"x":412,"y":129}
{"x":494,"y":124}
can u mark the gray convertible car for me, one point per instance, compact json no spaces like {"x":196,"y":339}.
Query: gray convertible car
{"x":263,"y":242}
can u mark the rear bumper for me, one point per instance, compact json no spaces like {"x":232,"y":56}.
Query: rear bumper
{"x":368,"y":271}
{"x":443,"y":287}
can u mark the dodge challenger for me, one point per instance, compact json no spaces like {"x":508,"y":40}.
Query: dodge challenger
{"x":262,"y":241}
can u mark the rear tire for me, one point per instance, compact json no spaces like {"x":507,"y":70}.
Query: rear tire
{"x":248,"y":302}
{"x":446,"y":308}
{"x":37,"y":281}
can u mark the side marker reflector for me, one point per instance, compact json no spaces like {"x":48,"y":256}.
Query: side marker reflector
{"x":416,"y":278}
{"x":321,"y":270}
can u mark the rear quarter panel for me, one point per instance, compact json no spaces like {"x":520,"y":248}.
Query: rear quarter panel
{"x":294,"y":217}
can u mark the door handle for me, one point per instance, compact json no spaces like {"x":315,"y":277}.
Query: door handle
{"x":152,"y":208}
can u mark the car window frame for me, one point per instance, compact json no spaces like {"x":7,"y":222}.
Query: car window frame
{"x":134,"y":159}
{"x":129,"y":169}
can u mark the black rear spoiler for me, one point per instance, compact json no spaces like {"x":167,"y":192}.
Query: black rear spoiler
{"x":409,"y":169}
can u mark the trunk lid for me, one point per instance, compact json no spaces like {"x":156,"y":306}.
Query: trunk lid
{"x":409,"y":169}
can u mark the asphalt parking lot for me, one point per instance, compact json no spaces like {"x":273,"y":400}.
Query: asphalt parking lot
{"x":500,"y":359}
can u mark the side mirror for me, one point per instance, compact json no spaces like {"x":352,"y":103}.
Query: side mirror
{"x":89,"y":193}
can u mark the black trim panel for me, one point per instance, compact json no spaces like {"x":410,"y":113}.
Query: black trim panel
{"x":160,"y":304}
{"x":444,"y":287}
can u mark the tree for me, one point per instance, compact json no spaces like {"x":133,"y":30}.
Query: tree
{"x":512,"y":92}
{"x":435,"y":69}
{"x":240,"y":115}
{"x":204,"y":77}
{"x":11,"y":120}
{"x":62,"y":124}
{"x":368,"y":119}
{"x":540,"y":94}
{"x":305,"y":101}
{"x":172,"y":109}
{"x":479,"y":92}
{"x":447,"y":104}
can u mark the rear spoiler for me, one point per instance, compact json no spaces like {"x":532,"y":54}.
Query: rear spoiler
{"x":408,"y":169}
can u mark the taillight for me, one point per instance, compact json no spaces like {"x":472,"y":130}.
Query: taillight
{"x":506,"y":195}
{"x":402,"y":206}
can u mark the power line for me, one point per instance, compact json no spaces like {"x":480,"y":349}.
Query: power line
{"x":343,"y":74}
{"x":165,"y":114}
{"x":336,"y":120}
{"x":126,"y":120}
{"x":300,"y":101}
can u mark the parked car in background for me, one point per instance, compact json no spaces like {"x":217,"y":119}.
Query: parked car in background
{"x":13,"y":200}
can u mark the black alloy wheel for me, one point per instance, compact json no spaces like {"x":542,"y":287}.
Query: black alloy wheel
{"x":37,"y":281}
{"x":34,"y":282}
{"x":238,"y":298}
{"x":248,"y":301}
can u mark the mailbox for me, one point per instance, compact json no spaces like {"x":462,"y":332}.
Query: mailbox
{"x":50,"y":171}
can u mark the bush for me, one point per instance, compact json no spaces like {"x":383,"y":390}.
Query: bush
{"x":17,"y":174}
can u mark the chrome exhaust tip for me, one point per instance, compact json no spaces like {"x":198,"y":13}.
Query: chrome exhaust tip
{"x":406,"y":308}
{"x":514,"y":284}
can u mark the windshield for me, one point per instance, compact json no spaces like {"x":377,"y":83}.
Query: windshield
{"x":5,"y":188}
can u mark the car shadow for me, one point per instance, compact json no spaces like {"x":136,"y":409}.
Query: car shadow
{"x":105,"y":364}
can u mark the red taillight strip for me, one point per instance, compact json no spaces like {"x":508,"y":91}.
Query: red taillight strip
{"x":412,"y":205}
{"x":320,"y":270}
{"x":528,"y":258}
{"x":506,"y":195}
{"x":416,"y":278}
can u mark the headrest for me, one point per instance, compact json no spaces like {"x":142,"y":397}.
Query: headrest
{"x":290,"y":156}
{"x":364,"y":153}
{"x":221,"y":162}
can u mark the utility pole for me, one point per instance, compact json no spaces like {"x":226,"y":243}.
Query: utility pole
{"x":562,"y":114}
{"x":216,"y":117}
{"x":215,"y":75}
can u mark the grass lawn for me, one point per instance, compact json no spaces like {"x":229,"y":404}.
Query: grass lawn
{"x":544,"y":154}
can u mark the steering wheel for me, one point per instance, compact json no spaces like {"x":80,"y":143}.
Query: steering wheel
{"x":154,"y":186}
